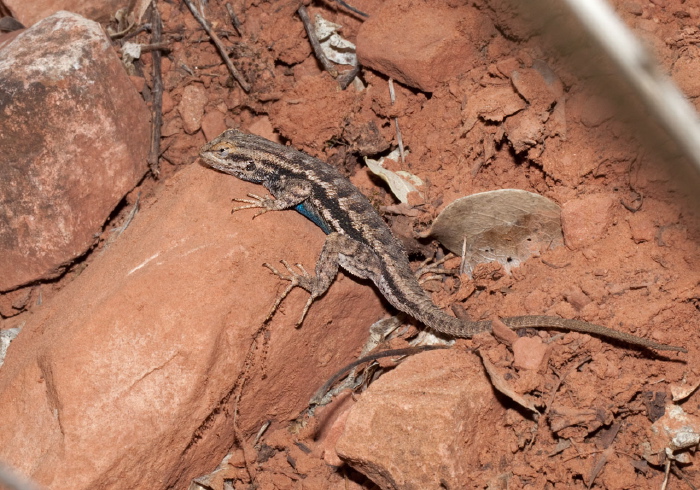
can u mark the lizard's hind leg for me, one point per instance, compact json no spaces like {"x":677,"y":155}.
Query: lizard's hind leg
{"x":337,"y":250}
{"x":303,"y":280}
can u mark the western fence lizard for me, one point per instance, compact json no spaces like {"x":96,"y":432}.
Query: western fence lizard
{"x":358,"y":239}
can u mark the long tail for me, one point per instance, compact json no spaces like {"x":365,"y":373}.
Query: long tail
{"x":438,"y":320}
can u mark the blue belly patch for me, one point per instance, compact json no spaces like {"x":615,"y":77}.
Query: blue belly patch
{"x":313,"y":215}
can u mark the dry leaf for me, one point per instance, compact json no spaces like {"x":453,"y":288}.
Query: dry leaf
{"x":400,"y":183}
{"x":507,"y":226}
{"x":682,"y":392}
{"x":499,"y":383}
{"x":335,"y":47}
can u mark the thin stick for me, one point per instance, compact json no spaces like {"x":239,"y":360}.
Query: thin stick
{"x":153,"y":156}
{"x":135,"y":32}
{"x":161,"y":46}
{"x":234,"y":20}
{"x":351,"y":8}
{"x":219,"y":46}
{"x":399,"y":140}
{"x":679,"y":474}
{"x":348,"y":76}
{"x":318,"y":396}
{"x":318,"y":51}
{"x":666,"y":103}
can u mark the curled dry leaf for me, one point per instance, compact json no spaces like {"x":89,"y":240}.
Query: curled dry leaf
{"x":500,"y":384}
{"x":680,"y":393}
{"x":400,"y":183}
{"x":335,"y":47}
{"x":507,"y":226}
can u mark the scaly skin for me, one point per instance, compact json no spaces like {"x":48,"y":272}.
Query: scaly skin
{"x":358,"y":239}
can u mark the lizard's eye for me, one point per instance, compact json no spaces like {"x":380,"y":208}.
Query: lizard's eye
{"x":223,"y":152}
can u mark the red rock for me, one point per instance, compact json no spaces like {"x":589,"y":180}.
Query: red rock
{"x":400,"y":41}
{"x":501,"y":331}
{"x":75,"y":135}
{"x":532,"y":86}
{"x":168,"y":102}
{"x":333,"y":426}
{"x":585,"y":220}
{"x":213,"y":124}
{"x":525,"y":130}
{"x":492,"y":104}
{"x":642,"y":229}
{"x":125,"y":378}
{"x":6,"y":37}
{"x":685,"y":73}
{"x":496,"y":103}
{"x":184,"y":148}
{"x":530,"y":353}
{"x":29,"y":12}
{"x":306,"y":129}
{"x":139,"y":83}
{"x":424,"y":424}
{"x":14,"y":302}
{"x":262,"y":126}
{"x":576,"y":297}
{"x":191,"y":107}
{"x":591,"y":109}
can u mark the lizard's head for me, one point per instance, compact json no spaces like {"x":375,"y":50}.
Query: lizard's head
{"x":230,"y":154}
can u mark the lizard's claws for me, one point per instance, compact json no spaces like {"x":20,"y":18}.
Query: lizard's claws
{"x":434,"y":270}
{"x":303,"y":280}
{"x":255,"y":202}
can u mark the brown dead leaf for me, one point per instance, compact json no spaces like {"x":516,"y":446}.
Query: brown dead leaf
{"x":507,"y":226}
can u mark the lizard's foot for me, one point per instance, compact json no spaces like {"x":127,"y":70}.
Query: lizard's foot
{"x":303,"y":280}
{"x":434,"y":271}
{"x":256,"y":202}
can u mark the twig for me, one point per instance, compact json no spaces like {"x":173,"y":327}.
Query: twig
{"x":667,"y":106}
{"x":153,"y":156}
{"x":260,"y":433}
{"x":348,"y":76}
{"x":234,"y":20}
{"x":135,"y":32}
{"x":667,"y":470}
{"x":680,"y":475}
{"x":318,"y":396}
{"x":559,"y":383}
{"x":187,"y":69}
{"x":351,"y":8}
{"x":129,"y":217}
{"x":607,"y":453}
{"x":219,"y":46}
{"x":318,"y":51}
{"x":399,"y":140}
{"x":161,"y":46}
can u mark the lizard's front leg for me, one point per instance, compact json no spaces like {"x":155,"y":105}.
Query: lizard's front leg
{"x":338,"y":251}
{"x":287,"y":194}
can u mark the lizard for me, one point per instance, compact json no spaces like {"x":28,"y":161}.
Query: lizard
{"x":358,"y":240}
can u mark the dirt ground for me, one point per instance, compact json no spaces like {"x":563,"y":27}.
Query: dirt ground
{"x":631,"y":263}
{"x":636,"y":268}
